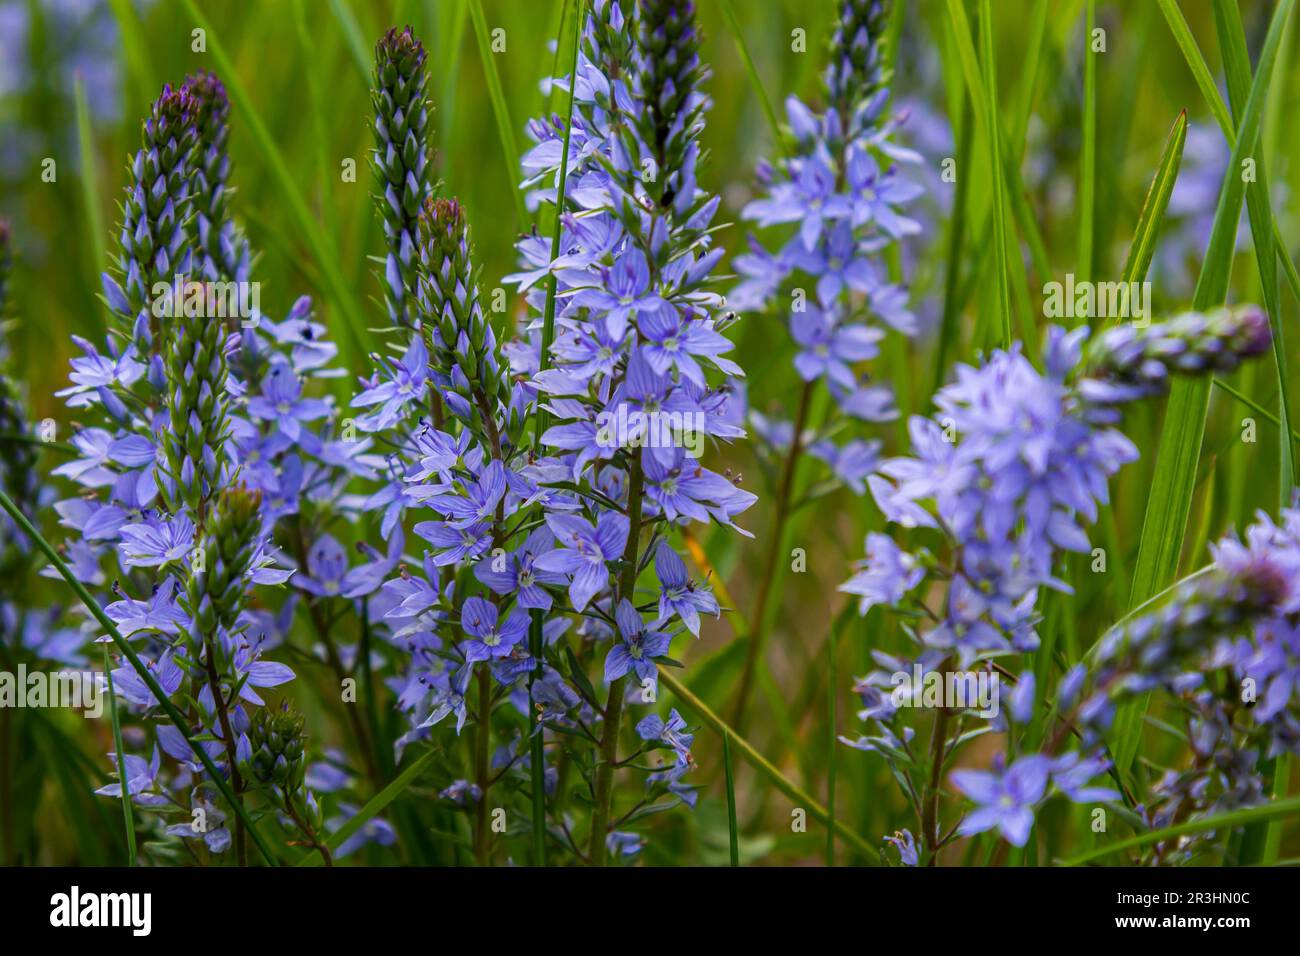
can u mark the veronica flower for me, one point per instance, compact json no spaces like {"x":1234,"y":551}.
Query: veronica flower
{"x":584,"y":550}
{"x":157,"y":541}
{"x":160,"y":614}
{"x":518,"y":573}
{"x":489,"y":639}
{"x":845,"y":210}
{"x":405,"y":386}
{"x":281,"y":402}
{"x":1005,"y":797}
{"x":637,"y":649}
{"x":1010,"y":470}
{"x":678,"y":594}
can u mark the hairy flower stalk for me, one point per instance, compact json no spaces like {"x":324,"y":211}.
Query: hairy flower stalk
{"x":401,"y":161}
{"x":1010,"y":469}
{"x":840,"y":193}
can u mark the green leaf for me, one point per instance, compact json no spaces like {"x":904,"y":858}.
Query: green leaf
{"x":755,"y":82}
{"x":374,"y":806}
{"x":1088,"y":156}
{"x":1278,"y":809}
{"x":733,"y":841}
{"x":1165,"y":522}
{"x":1143,"y":247}
{"x":352,"y":35}
{"x":146,"y":675}
{"x":118,"y":749}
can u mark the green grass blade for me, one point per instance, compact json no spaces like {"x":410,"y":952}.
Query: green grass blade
{"x":802,"y":799}
{"x":981,"y":81}
{"x":89,"y":182}
{"x":733,"y":841}
{"x":127,"y":816}
{"x":1278,"y":809}
{"x":351,"y":342}
{"x":505,"y":128}
{"x":353,"y":38}
{"x":90,"y":189}
{"x":1088,"y":157}
{"x":374,"y":806}
{"x":451,"y":58}
{"x":1143,"y":247}
{"x":1236,"y":60}
{"x":729,"y":15}
{"x":146,"y":675}
{"x":1200,"y":71}
{"x":1165,"y":523}
{"x":139,"y":64}
{"x":832,"y":725}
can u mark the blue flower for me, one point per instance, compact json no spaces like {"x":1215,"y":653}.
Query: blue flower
{"x":157,"y":541}
{"x":281,"y":402}
{"x":678,"y":594}
{"x":637,"y":649}
{"x":584,"y":550}
{"x":405,"y":385}
{"x":1005,"y":797}
{"x":479,"y":619}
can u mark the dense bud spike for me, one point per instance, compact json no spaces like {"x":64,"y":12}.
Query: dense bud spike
{"x":401,"y":159}
{"x":1128,"y":363}
{"x":224,"y":252}
{"x":856,"y":71}
{"x":216,"y":595}
{"x":198,"y":411}
{"x":459,"y":333}
{"x":670,"y":77}
{"x":277,"y":741}
{"x":156,"y":240}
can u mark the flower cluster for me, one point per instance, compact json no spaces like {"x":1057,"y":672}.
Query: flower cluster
{"x":538,"y":531}
{"x":178,"y":507}
{"x":840,"y":186}
{"x":1013,"y":465}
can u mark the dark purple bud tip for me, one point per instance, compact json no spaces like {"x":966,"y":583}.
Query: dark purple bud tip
{"x":208,"y":91}
{"x":1254,"y":332}
{"x":443,"y":222}
{"x":402,"y":48}
{"x":175,"y":107}
{"x":1266,"y":585}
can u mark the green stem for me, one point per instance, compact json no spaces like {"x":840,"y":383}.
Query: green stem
{"x":733,"y":842}
{"x":614,"y":704}
{"x":536,"y":745}
{"x":481,"y":746}
{"x":757,"y":617}
{"x":801,"y":798}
